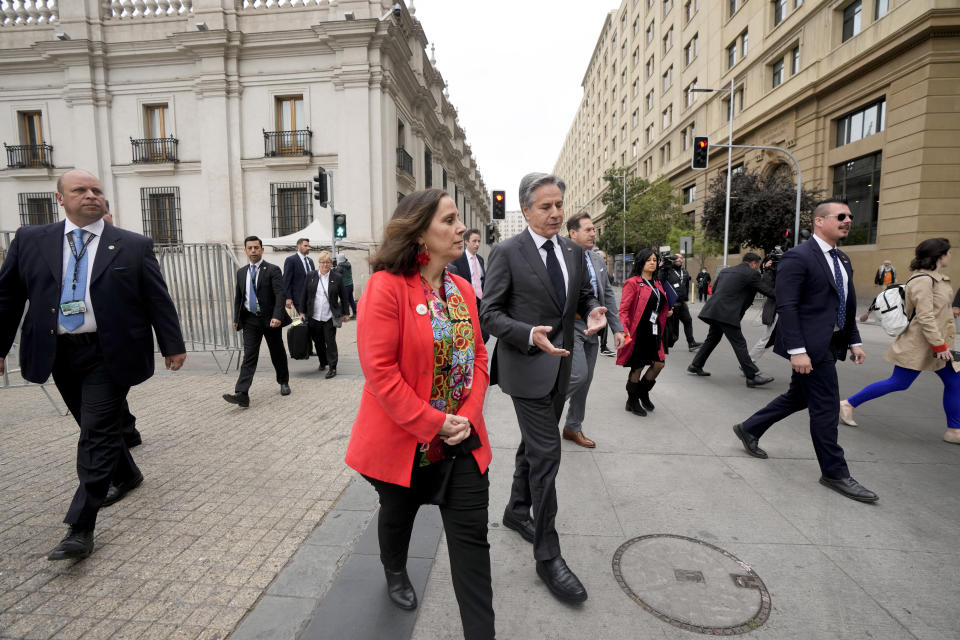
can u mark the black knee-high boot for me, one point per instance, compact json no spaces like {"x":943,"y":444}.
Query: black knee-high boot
{"x":633,"y":399}
{"x":645,"y":387}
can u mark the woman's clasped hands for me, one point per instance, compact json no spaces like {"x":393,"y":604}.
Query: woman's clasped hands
{"x":455,"y":429}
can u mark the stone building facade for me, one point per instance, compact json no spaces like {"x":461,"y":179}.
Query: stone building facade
{"x":864,"y":93}
{"x":207,"y":119}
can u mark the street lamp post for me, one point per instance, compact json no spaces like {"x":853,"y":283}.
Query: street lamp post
{"x":726,"y":215}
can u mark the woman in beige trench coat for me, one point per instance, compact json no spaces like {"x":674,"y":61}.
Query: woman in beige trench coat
{"x":926,"y":343}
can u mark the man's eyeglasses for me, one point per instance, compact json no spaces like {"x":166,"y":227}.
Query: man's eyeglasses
{"x":839,"y":216}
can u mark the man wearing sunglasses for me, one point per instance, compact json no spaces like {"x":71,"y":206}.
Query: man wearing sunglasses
{"x":816,"y":304}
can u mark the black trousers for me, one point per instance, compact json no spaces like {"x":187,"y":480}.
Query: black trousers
{"x":95,"y":401}
{"x":702,"y":294}
{"x":324,"y":336}
{"x":256,"y":329}
{"x":737,"y":341}
{"x":682,"y":312}
{"x":819,"y":393}
{"x":465,"y":524}
{"x":350,"y":305}
{"x":536,"y":466}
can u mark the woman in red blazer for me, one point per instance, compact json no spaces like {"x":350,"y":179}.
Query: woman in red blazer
{"x":419,"y":436}
{"x":643,"y":312}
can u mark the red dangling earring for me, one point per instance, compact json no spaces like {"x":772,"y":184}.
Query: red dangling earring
{"x":423,"y":256}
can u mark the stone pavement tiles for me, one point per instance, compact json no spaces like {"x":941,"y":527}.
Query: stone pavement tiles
{"x":834,"y":568}
{"x":229,"y":496}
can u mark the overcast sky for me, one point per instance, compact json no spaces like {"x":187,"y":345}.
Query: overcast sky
{"x":513,"y":70}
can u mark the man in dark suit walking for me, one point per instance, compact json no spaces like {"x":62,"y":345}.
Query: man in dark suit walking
{"x":296,"y":268}
{"x":733,"y":293}
{"x":258,"y":310}
{"x":538,"y":282}
{"x":95,"y":293}
{"x":816,"y":307}
{"x":470,"y":266}
{"x":323,"y":298}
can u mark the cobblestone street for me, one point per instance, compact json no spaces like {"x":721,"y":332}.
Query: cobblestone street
{"x":229,"y":495}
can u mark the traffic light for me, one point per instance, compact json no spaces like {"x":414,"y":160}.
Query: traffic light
{"x":701,"y":149}
{"x":491,"y":232}
{"x":499,"y":205}
{"x":340,"y":225}
{"x":787,"y":239}
{"x":320,"y":187}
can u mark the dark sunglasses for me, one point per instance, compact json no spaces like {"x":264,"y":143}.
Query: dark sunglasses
{"x":839,"y":216}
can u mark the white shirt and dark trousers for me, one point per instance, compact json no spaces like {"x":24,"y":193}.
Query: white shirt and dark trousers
{"x":323,"y":301}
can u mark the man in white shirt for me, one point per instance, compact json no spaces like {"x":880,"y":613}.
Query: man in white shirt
{"x":471,"y":267}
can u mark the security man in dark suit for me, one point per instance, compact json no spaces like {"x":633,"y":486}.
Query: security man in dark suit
{"x":296,"y":268}
{"x":322,"y":309}
{"x":816,"y":308}
{"x":95,"y":293}
{"x":538,"y":283}
{"x":258,"y":310}
{"x":673,"y":275}
{"x":733,"y":293}
{"x":471,"y":267}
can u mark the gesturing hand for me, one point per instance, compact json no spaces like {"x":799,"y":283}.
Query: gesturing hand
{"x":596,"y":321}
{"x":541,"y":341}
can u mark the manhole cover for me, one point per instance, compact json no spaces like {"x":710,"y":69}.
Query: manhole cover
{"x":691,"y":584}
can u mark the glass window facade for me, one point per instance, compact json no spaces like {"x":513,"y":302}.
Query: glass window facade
{"x":858,"y":182}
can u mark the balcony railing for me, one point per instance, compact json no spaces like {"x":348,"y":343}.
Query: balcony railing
{"x":287,"y":143}
{"x":21,"y":156}
{"x":149,"y":150}
{"x":404,"y":160}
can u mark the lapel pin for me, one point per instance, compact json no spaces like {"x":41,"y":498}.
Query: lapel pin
{"x":111,"y":247}
{"x":422,"y":309}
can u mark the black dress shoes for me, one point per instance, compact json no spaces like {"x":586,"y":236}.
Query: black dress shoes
{"x":693,"y":346}
{"x":240,"y":399}
{"x":524,"y":527}
{"x":697,"y":371}
{"x":284,"y":389}
{"x":758,"y":380}
{"x":749,"y":442}
{"x":321,"y":367}
{"x":116,"y":492}
{"x":850,"y":488}
{"x":77,"y":544}
{"x":560,"y":580}
{"x":400,"y":590}
{"x":331,"y":374}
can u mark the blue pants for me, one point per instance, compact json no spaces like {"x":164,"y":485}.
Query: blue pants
{"x":903,"y":378}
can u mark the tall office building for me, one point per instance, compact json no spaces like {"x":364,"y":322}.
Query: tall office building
{"x":864,"y":93}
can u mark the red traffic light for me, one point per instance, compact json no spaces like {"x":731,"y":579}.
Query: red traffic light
{"x":499,"y":197}
{"x":701,"y":150}
{"x":702,"y":143}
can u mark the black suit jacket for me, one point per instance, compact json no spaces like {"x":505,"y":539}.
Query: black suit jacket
{"x":733,"y":293}
{"x":127,"y":292}
{"x":294,"y":277}
{"x":807,"y":303}
{"x":521,"y":297}
{"x":334,"y":293}
{"x":461,"y":267}
{"x":269,"y":291}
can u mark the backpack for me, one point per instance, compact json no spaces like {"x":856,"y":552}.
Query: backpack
{"x":891,"y":303}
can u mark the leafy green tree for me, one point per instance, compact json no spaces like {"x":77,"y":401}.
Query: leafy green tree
{"x":652,"y":209}
{"x":762,"y":208}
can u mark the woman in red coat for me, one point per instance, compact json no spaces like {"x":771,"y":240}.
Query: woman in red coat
{"x":419,"y":436}
{"x":643,"y":312}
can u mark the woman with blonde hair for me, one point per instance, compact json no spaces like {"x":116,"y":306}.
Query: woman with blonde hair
{"x":926,"y":343}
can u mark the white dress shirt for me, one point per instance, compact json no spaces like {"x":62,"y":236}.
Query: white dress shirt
{"x":321,"y":305}
{"x":557,"y":249}
{"x":89,"y":324}
{"x":476,"y":273}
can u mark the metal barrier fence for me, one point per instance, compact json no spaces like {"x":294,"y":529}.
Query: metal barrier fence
{"x":201,"y":279}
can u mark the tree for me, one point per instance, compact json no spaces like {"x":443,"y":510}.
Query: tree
{"x":762,"y":208}
{"x":652,"y":209}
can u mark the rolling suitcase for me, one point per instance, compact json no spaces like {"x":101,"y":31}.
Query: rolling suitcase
{"x":298,"y":341}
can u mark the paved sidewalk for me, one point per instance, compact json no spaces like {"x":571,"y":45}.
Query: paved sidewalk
{"x":229,"y":496}
{"x":833,"y":568}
